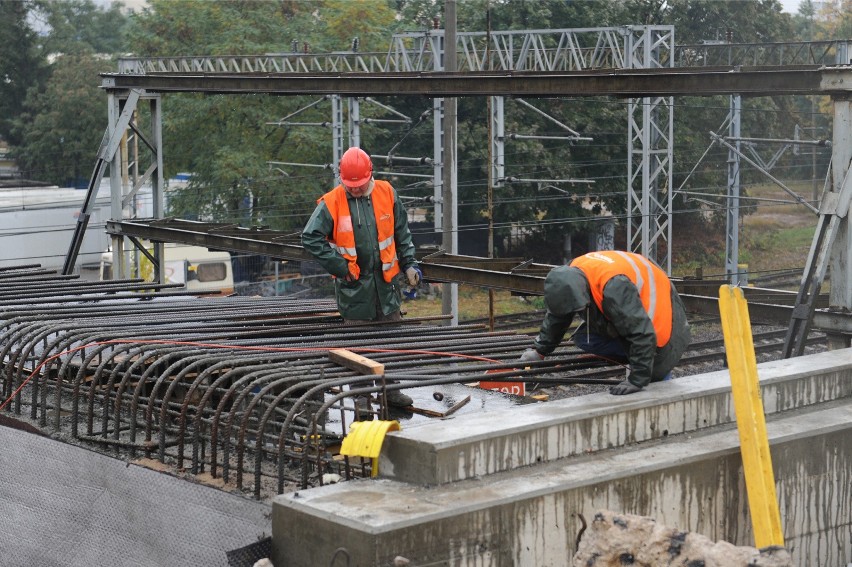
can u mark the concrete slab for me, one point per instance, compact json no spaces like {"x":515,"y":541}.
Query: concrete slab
{"x":61,"y":505}
{"x":425,"y":401}
{"x":471,"y":446}
{"x":530,"y":516}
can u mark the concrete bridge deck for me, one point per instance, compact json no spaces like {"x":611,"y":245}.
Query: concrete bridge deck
{"x":508,"y":488}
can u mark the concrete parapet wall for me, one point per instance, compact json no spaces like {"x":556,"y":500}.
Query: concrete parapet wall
{"x":531,"y":515}
{"x":474,"y":446}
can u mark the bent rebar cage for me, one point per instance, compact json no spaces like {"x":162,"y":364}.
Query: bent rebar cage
{"x":240,"y":389}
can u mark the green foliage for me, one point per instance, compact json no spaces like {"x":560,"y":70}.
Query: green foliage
{"x":22,"y":64}
{"x":75,"y":26}
{"x":61,"y":127}
{"x":54,"y":114}
{"x":738,"y":21}
{"x":834,"y":19}
{"x":472,"y":15}
{"x":199,"y":27}
{"x":343,"y":20}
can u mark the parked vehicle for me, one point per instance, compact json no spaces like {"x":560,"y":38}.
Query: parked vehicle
{"x":198,"y":268}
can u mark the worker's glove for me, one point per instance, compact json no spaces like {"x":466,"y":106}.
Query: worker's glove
{"x":531,"y":355}
{"x":413,"y":275}
{"x":349,"y":278}
{"x":624,"y":388}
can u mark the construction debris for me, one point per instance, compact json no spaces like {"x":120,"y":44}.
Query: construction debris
{"x":613,"y":540}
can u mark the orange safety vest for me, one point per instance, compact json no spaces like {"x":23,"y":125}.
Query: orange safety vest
{"x":343,"y":238}
{"x":653,"y":284}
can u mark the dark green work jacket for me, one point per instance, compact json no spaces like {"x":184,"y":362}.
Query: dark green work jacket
{"x":623,"y":317}
{"x":359,"y":300}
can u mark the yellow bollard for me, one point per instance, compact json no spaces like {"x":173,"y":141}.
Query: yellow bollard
{"x":751,"y":422}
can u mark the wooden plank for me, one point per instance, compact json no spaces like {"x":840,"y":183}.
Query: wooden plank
{"x":449,"y":411}
{"x":455,"y":407}
{"x":356,"y":362}
{"x":426,"y":412}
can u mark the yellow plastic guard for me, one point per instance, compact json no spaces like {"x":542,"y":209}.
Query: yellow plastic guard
{"x":365,"y":439}
{"x":751,"y":422}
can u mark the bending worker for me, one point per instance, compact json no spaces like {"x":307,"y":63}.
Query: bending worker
{"x":359,"y":234}
{"x":631,"y":314}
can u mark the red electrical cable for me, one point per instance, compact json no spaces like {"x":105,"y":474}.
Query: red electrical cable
{"x":237,"y":347}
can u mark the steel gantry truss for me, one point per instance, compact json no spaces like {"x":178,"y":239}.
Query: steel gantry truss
{"x":649,"y":154}
{"x":551,"y":50}
{"x":575,"y":49}
{"x":578,"y":49}
{"x":116,"y":153}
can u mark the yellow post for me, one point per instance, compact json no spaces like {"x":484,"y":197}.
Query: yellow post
{"x":751,"y":422}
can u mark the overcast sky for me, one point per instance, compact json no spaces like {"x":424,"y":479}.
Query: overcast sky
{"x":791,"y":6}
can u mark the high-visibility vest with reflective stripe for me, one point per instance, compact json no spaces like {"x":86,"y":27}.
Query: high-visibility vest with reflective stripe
{"x":653,"y":284}
{"x":343,"y":238}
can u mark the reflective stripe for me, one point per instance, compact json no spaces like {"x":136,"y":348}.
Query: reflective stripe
{"x":640,"y":282}
{"x":385,"y":243}
{"x":343,"y":249}
{"x":386,"y":267}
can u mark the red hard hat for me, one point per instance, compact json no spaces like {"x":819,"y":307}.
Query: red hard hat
{"x":356,"y":169}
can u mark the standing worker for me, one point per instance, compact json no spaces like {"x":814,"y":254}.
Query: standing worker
{"x":631,"y":314}
{"x":359,"y":234}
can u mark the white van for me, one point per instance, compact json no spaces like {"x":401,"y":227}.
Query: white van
{"x":196,"y":267}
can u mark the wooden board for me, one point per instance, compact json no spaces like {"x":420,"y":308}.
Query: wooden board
{"x":355,"y":362}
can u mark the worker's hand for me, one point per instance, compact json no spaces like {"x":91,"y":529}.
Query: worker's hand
{"x":413,"y":275}
{"x":531,"y":355}
{"x":624,"y":388}
{"x":349,"y":278}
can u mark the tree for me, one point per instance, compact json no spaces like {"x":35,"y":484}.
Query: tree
{"x":752,"y":21}
{"x":342,"y":21}
{"x":75,"y":26}
{"x":21,"y":64}
{"x":53,"y":115}
{"x":225,"y":141}
{"x":835,"y":19}
{"x":61,"y":128}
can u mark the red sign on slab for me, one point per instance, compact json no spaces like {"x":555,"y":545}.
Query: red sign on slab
{"x":514,"y":388}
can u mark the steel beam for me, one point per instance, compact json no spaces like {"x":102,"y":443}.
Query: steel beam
{"x":634,"y":83}
{"x":216,"y":236}
{"x":509,"y":274}
{"x":824,"y":320}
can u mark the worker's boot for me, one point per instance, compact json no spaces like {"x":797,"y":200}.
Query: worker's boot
{"x":363,"y":409}
{"x":397,"y":399}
